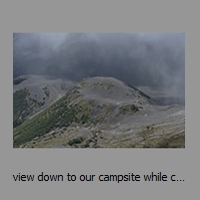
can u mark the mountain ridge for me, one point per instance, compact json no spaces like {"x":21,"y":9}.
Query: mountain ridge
{"x":96,"y":103}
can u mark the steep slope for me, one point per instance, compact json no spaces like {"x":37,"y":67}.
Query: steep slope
{"x":32,"y":94}
{"x":93,"y":101}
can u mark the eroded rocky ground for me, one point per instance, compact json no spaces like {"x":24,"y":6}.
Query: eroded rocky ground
{"x":167,"y":131}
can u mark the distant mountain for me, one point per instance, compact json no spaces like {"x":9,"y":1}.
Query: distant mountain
{"x":98,"y":112}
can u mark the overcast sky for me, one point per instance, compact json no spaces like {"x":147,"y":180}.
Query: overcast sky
{"x":156,"y":60}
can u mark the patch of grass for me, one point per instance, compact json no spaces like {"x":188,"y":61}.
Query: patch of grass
{"x":23,"y":106}
{"x":174,"y":141}
{"x":128,"y":108}
{"x":74,"y":141}
{"x":46,"y":91}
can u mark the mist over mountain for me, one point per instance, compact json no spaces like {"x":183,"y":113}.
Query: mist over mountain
{"x":155,"y":60}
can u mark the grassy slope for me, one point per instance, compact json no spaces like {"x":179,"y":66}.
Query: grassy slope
{"x":57,"y":115}
{"x":23,"y":106}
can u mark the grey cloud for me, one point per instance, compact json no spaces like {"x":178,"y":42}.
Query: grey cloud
{"x":154,"y":59}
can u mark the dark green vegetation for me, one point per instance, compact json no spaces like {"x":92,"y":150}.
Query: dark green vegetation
{"x":128,"y":108}
{"x":18,"y":81}
{"x":60,"y":114}
{"x":46,"y":91}
{"x":23,"y":106}
{"x":75,"y":141}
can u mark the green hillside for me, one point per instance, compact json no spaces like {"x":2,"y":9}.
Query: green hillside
{"x":23,"y":106}
{"x":60,"y":114}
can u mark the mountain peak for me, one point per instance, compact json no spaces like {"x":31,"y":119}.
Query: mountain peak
{"x":112,"y":90}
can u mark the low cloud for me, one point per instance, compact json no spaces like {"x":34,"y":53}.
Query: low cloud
{"x":155,"y":60}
